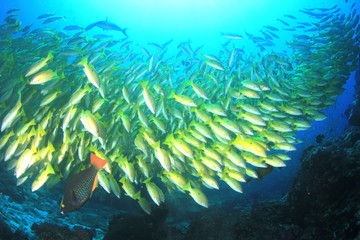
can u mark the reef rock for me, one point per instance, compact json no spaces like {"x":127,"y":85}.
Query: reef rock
{"x":139,"y":226}
{"x":325,"y":197}
{"x":5,"y":231}
{"x":48,"y":231}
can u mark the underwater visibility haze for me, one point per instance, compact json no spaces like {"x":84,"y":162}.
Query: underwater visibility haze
{"x":116,"y":106}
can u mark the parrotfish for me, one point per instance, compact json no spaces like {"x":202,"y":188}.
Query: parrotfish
{"x":80,"y":187}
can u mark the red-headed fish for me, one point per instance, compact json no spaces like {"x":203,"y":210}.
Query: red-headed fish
{"x":79,"y":188}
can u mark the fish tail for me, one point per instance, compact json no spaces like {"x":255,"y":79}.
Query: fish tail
{"x":19,"y":104}
{"x":240,"y":114}
{"x":50,"y":147}
{"x":97,"y":162}
{"x":50,"y":169}
{"x":147,"y":180}
{"x":87,"y":88}
{"x":49,"y":56}
{"x":156,"y":145}
{"x":169,"y":139}
{"x":238,"y":140}
{"x":144,"y":84}
{"x":187,"y":187}
{"x":124,"y":30}
{"x":84,"y":61}
{"x":137,"y":196}
{"x":172,"y":94}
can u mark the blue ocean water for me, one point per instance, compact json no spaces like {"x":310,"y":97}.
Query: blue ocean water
{"x":158,"y":21}
{"x":201,"y":23}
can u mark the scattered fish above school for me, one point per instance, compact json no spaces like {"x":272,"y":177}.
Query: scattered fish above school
{"x":182,"y":122}
{"x":105,"y":25}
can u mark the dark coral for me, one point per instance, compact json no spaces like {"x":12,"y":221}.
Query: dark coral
{"x":7,"y":234}
{"x":48,"y":231}
{"x":139,"y":226}
{"x":5,"y":231}
{"x":7,"y":183}
{"x":325,"y":195}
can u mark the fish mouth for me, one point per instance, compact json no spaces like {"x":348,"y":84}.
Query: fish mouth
{"x":62,"y":210}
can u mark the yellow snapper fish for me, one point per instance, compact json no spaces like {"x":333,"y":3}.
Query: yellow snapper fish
{"x":43,"y":77}
{"x":39,"y":65}
{"x":90,"y":73}
{"x":10,"y":116}
{"x":183,"y":122}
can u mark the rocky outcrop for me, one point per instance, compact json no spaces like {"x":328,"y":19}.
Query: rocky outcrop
{"x":325,"y":199}
{"x":7,"y":234}
{"x":5,"y":231}
{"x":139,"y":226}
{"x":48,"y":231}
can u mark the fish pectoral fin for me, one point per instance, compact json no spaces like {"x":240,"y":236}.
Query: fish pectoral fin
{"x":74,"y":198}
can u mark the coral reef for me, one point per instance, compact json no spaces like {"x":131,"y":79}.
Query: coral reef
{"x":5,"y":231}
{"x":7,"y":234}
{"x":139,"y":226}
{"x":48,"y":231}
{"x":324,"y":200}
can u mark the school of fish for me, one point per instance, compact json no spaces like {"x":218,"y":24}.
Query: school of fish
{"x":182,"y":122}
